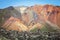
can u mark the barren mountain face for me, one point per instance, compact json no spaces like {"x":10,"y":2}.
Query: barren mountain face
{"x":49,"y":12}
{"x":28,"y":18}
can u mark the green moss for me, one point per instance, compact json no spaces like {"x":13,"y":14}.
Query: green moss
{"x":47,"y":27}
{"x":1,"y":16}
{"x":3,"y":38}
{"x":44,"y":28}
{"x":33,"y":30}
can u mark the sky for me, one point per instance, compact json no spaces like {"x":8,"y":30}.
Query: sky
{"x":7,"y":3}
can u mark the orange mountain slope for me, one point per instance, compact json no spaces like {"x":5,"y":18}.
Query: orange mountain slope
{"x":49,"y":12}
{"x":14,"y":24}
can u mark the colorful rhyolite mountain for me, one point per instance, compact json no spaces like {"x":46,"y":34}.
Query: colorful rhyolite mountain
{"x":27,"y":18}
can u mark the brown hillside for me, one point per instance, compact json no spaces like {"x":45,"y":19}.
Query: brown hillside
{"x":49,"y":12}
{"x":14,"y":24}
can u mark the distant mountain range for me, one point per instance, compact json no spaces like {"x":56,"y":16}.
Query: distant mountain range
{"x":27,"y":18}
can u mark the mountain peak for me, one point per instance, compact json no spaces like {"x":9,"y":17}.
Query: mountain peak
{"x":28,"y":16}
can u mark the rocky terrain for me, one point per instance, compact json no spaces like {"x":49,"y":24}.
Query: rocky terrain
{"x":39,"y":22}
{"x":37,"y":35}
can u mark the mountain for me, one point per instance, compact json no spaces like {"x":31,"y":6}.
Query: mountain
{"x":11,"y":18}
{"x":27,"y":18}
{"x":49,"y":12}
{"x":14,"y":24}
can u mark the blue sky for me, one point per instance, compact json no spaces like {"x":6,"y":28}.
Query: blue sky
{"x":7,"y":3}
